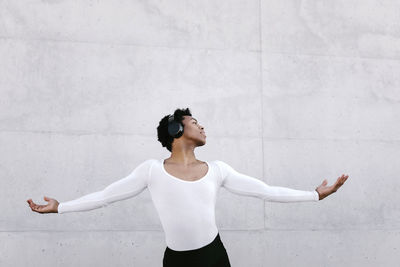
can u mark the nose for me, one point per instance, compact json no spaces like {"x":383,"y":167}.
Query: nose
{"x":202,"y":128}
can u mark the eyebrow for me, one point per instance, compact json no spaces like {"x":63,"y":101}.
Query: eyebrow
{"x":193,"y":119}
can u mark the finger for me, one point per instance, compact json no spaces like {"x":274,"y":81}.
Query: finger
{"x":344,"y":180}
{"x":39,"y":208}
{"x":35,"y":209}
{"x":338,"y":182}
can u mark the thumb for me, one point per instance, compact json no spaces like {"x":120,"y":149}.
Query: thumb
{"x":325,"y":182}
{"x":46,"y":198}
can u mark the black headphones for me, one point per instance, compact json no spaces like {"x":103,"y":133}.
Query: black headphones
{"x":175,"y":129}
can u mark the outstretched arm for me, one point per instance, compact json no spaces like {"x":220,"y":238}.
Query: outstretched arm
{"x":124,"y":188}
{"x":242,"y":184}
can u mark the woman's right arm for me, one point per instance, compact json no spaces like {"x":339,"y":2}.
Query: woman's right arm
{"x":125,"y":188}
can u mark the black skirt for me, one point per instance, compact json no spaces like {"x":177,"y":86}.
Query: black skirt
{"x":211,"y":255}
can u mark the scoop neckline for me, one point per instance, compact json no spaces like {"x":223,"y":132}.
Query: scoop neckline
{"x":185,"y":181}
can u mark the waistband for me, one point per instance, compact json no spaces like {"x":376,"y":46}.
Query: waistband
{"x":215,"y":243}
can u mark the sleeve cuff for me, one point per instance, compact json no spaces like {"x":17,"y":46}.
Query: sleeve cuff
{"x":59,"y":208}
{"x":316,"y":195}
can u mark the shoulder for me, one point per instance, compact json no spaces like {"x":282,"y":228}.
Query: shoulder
{"x":223,"y":167}
{"x":221,"y":164}
{"x":144,"y":169}
{"x":146,"y":164}
{"x":150,"y":161}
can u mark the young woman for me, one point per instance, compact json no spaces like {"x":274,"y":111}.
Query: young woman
{"x":184,"y":191}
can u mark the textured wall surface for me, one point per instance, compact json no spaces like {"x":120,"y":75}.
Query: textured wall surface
{"x":291,"y":92}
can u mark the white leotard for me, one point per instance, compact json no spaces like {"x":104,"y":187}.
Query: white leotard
{"x":186,"y":208}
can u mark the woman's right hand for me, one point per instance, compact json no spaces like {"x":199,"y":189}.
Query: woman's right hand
{"x":51,"y":207}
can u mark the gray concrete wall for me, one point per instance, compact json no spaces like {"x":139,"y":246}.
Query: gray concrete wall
{"x":290,"y":92}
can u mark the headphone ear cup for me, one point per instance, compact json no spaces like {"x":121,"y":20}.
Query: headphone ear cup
{"x":175,"y":129}
{"x":180,"y":131}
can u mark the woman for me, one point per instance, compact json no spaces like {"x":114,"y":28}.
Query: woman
{"x":184,"y":191}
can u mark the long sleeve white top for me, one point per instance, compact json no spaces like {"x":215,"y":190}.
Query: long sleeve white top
{"x":186,"y":208}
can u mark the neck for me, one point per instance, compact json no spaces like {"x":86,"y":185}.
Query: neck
{"x":182,"y":154}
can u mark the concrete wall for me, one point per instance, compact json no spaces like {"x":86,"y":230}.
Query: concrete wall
{"x":291,"y":92}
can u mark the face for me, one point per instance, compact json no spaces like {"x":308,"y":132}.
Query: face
{"x":194,"y":131}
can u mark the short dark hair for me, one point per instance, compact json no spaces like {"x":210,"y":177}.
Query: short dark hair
{"x":162,"y":129}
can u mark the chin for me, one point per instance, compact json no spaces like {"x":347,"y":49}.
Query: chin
{"x":201,"y":143}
